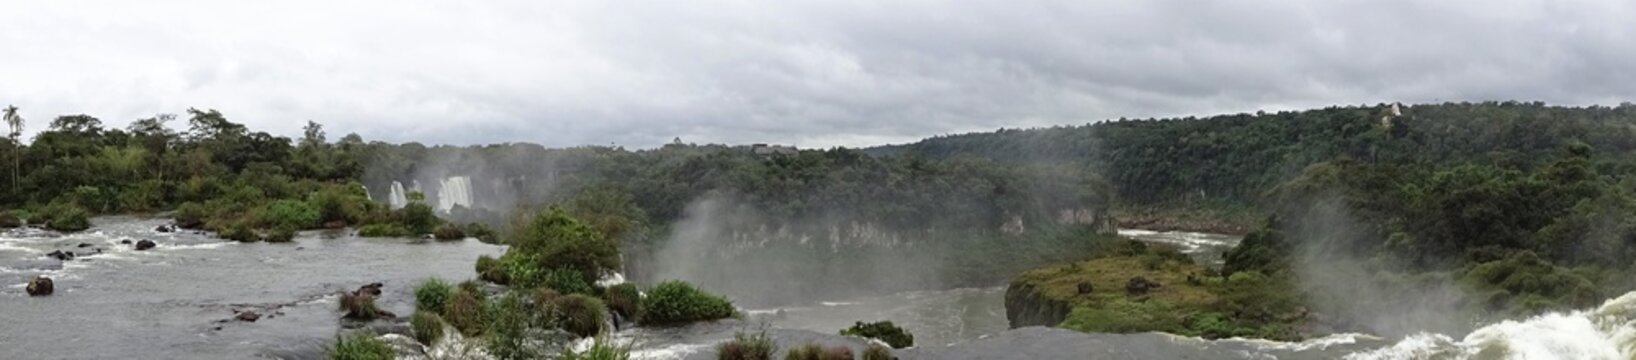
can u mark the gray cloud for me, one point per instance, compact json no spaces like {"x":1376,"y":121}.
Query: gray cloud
{"x":813,"y":73}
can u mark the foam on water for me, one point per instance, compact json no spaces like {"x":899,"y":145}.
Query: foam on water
{"x":1606,"y":332}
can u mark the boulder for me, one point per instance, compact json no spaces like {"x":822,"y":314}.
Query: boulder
{"x":371,"y":289}
{"x":247,"y":316}
{"x":8,"y":221}
{"x":61,"y":255}
{"x":125,"y":242}
{"x":145,"y":244}
{"x":164,"y":229}
{"x":84,"y":245}
{"x":1086,"y":288}
{"x":1140,"y":285}
{"x":40,"y":286}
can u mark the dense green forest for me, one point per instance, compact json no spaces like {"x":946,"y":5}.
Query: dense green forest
{"x":1522,"y":207}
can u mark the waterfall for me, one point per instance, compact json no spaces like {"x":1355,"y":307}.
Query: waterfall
{"x":454,"y":190}
{"x":398,"y":198}
{"x":1607,"y":332}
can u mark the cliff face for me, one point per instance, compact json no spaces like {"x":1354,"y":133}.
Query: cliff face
{"x":1027,"y":305}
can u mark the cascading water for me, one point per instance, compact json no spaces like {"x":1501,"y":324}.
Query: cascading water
{"x":454,"y":190}
{"x":1607,"y":332}
{"x":397,"y":198}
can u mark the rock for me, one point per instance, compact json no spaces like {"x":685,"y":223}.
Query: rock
{"x":8,"y":221}
{"x":1086,"y":288}
{"x":164,"y":229}
{"x":1026,"y":305}
{"x":145,"y":244}
{"x":125,"y":242}
{"x":1140,"y":285}
{"x":40,"y":286}
{"x":371,"y":289}
{"x":298,"y":248}
{"x":61,"y":255}
{"x":1193,"y":279}
{"x":84,"y":245}
{"x":247,"y":315}
{"x":337,"y":224}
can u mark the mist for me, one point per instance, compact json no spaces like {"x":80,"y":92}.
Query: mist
{"x":1348,"y":288}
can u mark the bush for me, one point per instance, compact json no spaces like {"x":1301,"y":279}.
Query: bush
{"x":505,"y":325}
{"x":465,"y":312}
{"x":360,"y":346}
{"x":360,"y":306}
{"x":384,"y":230}
{"x":449,"y":232}
{"x":813,"y":351}
{"x":417,"y":217}
{"x":482,"y":233}
{"x":601,"y":349}
{"x":877,"y":352}
{"x":290,"y":213}
{"x":190,"y":215}
{"x":428,"y":327}
{"x":545,"y":310}
{"x":747,"y":347}
{"x":567,"y":281}
{"x":676,"y":302}
{"x":239,"y":232}
{"x":581,"y":315}
{"x":432,"y":294}
{"x":65,"y":217}
{"x":489,"y":270}
{"x":883,"y":331}
{"x":625,"y":300}
{"x":555,"y":240}
{"x":10,"y":219}
{"x":282,"y":234}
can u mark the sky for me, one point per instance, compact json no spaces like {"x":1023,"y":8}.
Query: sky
{"x":807,"y":73}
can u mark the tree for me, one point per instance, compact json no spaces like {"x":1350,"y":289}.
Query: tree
{"x":559,"y":241}
{"x":14,"y":122}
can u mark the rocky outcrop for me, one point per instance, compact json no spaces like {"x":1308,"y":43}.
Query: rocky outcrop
{"x":61,"y":255}
{"x":1026,"y":305}
{"x":247,"y":316}
{"x":1140,"y":285}
{"x":360,"y":304}
{"x":145,"y":244}
{"x":165,"y":229}
{"x":40,"y":286}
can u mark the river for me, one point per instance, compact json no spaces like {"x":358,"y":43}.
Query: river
{"x":176,"y":301}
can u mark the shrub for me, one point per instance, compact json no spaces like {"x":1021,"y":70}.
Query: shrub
{"x":877,"y":352}
{"x":417,"y":217}
{"x":813,"y":351}
{"x":66,"y":217}
{"x":601,"y":349}
{"x":10,"y":219}
{"x":384,"y":230}
{"x":675,"y":302}
{"x":290,"y":213}
{"x":624,"y":300}
{"x":190,"y":215}
{"x":567,"y":281}
{"x":505,"y":324}
{"x":239,"y":232}
{"x":360,"y":346}
{"x":428,"y":327}
{"x":465,"y":312}
{"x":581,"y":315}
{"x":482,"y":233}
{"x":360,"y":306}
{"x":281,"y":234}
{"x":884,"y":331}
{"x":556,"y":240}
{"x":747,"y":347}
{"x":490,"y":270}
{"x":432,"y":294}
{"x":449,"y":232}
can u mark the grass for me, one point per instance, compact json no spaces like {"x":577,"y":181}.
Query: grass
{"x":601,"y":349}
{"x":1109,"y":275}
{"x":877,"y":352}
{"x":428,"y":327}
{"x":813,"y":351}
{"x":432,"y":295}
{"x":581,"y":315}
{"x":360,"y":346}
{"x":747,"y":347}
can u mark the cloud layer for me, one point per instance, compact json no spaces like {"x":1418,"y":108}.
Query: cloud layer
{"x":811,"y":73}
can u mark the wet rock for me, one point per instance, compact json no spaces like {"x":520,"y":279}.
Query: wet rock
{"x":1086,"y":288}
{"x":8,"y":221}
{"x":247,"y":316}
{"x":360,"y":304}
{"x":40,"y":286}
{"x":1140,"y":285}
{"x":371,"y":289}
{"x":164,"y":229}
{"x":125,"y":242}
{"x":145,"y":244}
{"x":337,"y":224}
{"x":61,"y":255}
{"x":84,"y":245}
{"x":1027,"y":305}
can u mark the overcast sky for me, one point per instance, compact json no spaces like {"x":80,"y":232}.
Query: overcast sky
{"x":810,"y":73}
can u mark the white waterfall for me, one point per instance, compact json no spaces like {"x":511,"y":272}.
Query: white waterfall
{"x":398,"y":198}
{"x":1607,"y":332}
{"x":454,"y":190}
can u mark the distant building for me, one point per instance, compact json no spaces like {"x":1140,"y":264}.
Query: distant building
{"x":768,"y":150}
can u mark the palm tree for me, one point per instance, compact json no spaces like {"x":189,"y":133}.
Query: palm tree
{"x":16,"y":124}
